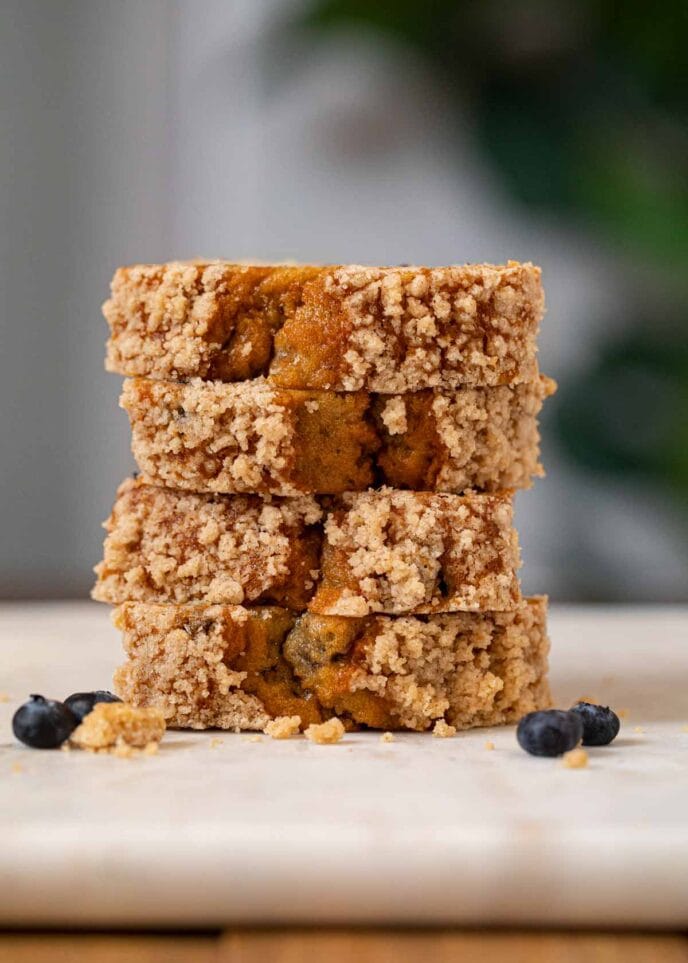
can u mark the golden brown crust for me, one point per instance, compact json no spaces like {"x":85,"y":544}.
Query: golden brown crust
{"x":253,"y":437}
{"x":236,"y":668}
{"x":340,"y":328}
{"x":383,"y":551}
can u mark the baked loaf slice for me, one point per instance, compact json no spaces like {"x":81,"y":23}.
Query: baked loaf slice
{"x":254,"y":437}
{"x":236,"y":668}
{"x":378,"y":551}
{"x":337,"y":328}
{"x":417,"y":552}
{"x":172,"y":546}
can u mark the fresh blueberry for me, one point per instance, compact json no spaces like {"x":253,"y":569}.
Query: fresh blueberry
{"x":43,"y":723}
{"x":550,"y":732}
{"x":81,"y":703}
{"x":600,"y":723}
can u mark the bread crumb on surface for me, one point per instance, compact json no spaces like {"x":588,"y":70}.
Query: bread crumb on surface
{"x":387,"y":737}
{"x":684,"y":728}
{"x":489,"y":745}
{"x":622,"y":713}
{"x":638,"y":729}
{"x":5,"y":697}
{"x":119,"y":727}
{"x":575,"y":759}
{"x":283,"y":727}
{"x":215,"y":743}
{"x":17,"y":768}
{"x":254,"y":738}
{"x":443,"y":730}
{"x":326,"y":733}
{"x":123,"y":750}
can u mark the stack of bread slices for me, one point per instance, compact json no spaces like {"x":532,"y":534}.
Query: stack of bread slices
{"x":321,"y":525}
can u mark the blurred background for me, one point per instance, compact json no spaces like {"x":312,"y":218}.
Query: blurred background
{"x":364,"y":131}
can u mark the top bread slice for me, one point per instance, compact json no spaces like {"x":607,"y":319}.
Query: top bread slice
{"x":337,"y":328}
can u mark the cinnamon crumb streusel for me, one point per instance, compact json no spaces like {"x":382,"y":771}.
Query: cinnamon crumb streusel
{"x":171,"y":546}
{"x":384,"y":551}
{"x":118,"y":726}
{"x":396,"y":552}
{"x":283,"y":727}
{"x":443,"y":731}
{"x":234,"y":668}
{"x":575,"y":759}
{"x":338,"y":328}
{"x":326,"y":733}
{"x":205,"y":436}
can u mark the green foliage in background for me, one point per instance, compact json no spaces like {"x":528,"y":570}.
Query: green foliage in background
{"x":629,"y":413}
{"x":582,"y":108}
{"x":581,"y":104}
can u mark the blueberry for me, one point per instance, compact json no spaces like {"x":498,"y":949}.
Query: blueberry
{"x":600,"y":723}
{"x":549,"y":733}
{"x":43,"y":723}
{"x":81,"y":703}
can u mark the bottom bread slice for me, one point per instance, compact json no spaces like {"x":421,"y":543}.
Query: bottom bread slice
{"x":230,"y":667}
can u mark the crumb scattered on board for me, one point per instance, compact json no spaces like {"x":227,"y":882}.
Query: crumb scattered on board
{"x":215,"y":742}
{"x":5,"y":697}
{"x":283,"y":727}
{"x":326,"y":733}
{"x":443,"y":730}
{"x":120,"y":729}
{"x":623,"y":713}
{"x":489,"y":745}
{"x":638,"y":729}
{"x":17,"y":768}
{"x":575,"y":759}
{"x":254,"y":738}
{"x":684,"y":728}
{"x":124,"y":750}
{"x":387,"y":737}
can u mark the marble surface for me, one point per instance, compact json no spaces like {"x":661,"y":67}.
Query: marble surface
{"x":218,"y":829}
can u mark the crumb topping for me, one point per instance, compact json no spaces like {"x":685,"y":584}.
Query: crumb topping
{"x":415,"y":328}
{"x":283,"y":727}
{"x":244,"y":426}
{"x":441,"y":730}
{"x":385,"y":551}
{"x":165,"y":545}
{"x":180,"y":662}
{"x":209,"y":666}
{"x":205,"y":437}
{"x":467,"y":669}
{"x":343,"y":327}
{"x":575,"y":759}
{"x":395,"y":551}
{"x":394,"y":415}
{"x":326,"y":733}
{"x":120,"y":727}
